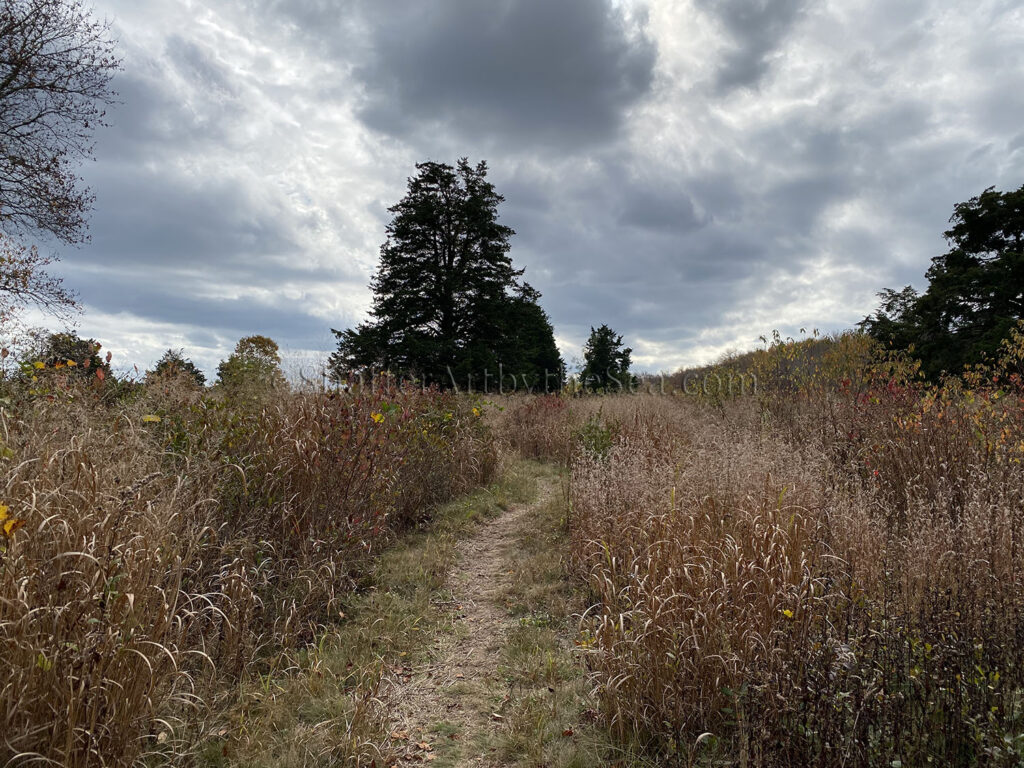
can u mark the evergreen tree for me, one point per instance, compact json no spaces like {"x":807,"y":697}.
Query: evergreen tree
{"x":448,"y":304}
{"x":529,"y":349}
{"x":174,"y":363}
{"x":975,"y":293}
{"x":606,"y":361}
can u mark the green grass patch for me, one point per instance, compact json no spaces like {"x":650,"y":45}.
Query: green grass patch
{"x":550,"y":713}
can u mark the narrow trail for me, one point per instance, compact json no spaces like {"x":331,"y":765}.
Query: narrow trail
{"x":449,"y":709}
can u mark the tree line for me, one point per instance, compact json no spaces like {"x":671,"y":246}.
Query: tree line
{"x":449,"y":307}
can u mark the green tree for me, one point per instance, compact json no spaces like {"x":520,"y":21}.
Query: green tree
{"x":975,"y":293}
{"x":531,"y":347}
{"x":173,"y":364}
{"x":605,"y":361}
{"x":448,"y":304}
{"x":255,"y":364}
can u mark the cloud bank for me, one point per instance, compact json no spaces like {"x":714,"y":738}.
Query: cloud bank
{"x":692,"y":173}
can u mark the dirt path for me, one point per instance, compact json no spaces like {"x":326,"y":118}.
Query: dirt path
{"x":450,"y":709}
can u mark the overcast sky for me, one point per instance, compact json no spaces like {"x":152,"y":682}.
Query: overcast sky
{"x":694,"y":173}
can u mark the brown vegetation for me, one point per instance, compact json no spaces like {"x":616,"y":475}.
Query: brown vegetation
{"x":161,"y":542}
{"x":828,"y":572}
{"x":822,"y":570}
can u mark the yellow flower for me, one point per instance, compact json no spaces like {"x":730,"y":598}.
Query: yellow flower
{"x":787,"y":613}
{"x":8,"y":524}
{"x":476,"y":411}
{"x":39,"y":364}
{"x":72,"y":363}
{"x":377,"y":417}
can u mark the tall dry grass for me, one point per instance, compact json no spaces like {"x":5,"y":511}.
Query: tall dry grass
{"x":824,"y":573}
{"x":172,"y":541}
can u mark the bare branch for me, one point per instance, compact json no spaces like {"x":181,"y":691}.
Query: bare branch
{"x":56,"y":63}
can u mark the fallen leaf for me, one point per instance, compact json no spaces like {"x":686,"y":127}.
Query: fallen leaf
{"x":568,"y":732}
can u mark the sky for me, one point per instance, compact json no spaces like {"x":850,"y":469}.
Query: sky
{"x":694,"y":173}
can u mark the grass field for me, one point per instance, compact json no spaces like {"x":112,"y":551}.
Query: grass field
{"x":827,"y":570}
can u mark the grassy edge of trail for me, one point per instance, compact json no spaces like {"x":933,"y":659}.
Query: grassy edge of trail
{"x":547,"y":697}
{"x":329,"y":706}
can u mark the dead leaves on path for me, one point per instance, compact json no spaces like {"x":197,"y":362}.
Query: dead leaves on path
{"x":417,"y":751}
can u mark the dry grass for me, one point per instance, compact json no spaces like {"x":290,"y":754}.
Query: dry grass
{"x":827,"y":573}
{"x":548,"y":701}
{"x":333,"y":703}
{"x":173,"y":543}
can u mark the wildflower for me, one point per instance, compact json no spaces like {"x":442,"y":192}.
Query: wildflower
{"x":72,"y":364}
{"x":787,"y":613}
{"x":377,"y":417}
{"x":8,"y":523}
{"x":39,"y":364}
{"x":476,"y":411}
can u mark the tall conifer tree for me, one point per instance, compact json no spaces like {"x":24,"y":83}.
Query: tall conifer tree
{"x":448,"y":304}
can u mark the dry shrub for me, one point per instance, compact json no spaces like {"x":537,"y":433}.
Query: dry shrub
{"x":698,"y":544}
{"x":172,"y":540}
{"x":539,"y":427}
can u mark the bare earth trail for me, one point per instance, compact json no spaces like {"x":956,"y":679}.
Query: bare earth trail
{"x":450,"y":709}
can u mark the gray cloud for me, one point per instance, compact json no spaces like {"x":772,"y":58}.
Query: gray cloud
{"x":756,"y":29}
{"x":694,"y":174}
{"x":535,"y":73}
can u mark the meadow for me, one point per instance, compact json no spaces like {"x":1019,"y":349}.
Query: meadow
{"x":162,"y":544}
{"x":826,"y":570}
